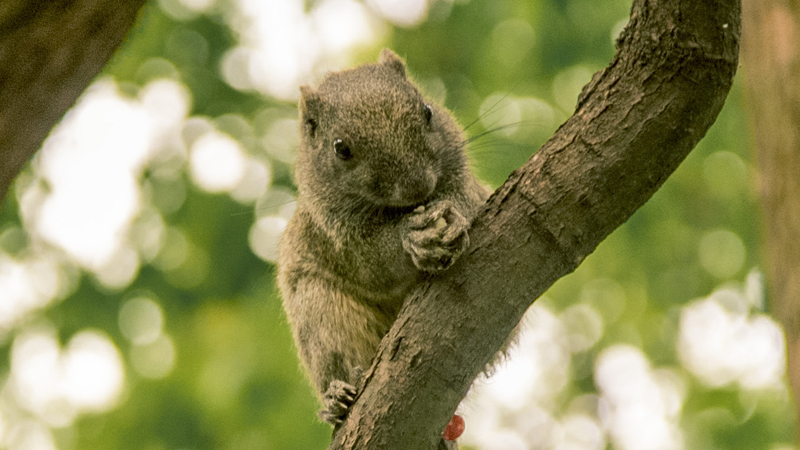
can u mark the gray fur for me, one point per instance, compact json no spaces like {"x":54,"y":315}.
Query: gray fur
{"x":368,"y":228}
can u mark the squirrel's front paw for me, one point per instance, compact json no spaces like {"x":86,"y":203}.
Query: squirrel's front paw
{"x":437,"y":237}
{"x":337,"y":400}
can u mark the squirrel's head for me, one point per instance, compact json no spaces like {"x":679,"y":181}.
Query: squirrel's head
{"x":368,"y":135}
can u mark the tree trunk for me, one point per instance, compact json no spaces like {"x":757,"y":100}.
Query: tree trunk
{"x":49,"y":52}
{"x":771,"y":56}
{"x":634,"y":124}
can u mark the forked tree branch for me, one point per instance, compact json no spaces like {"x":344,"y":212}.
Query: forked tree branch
{"x":49,"y":52}
{"x":634,"y":124}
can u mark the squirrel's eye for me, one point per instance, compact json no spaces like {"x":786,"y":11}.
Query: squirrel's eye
{"x":341,"y":149}
{"x":428,"y":113}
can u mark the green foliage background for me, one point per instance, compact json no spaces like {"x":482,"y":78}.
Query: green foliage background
{"x":237,"y":383}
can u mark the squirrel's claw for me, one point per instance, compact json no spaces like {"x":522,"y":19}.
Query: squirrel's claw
{"x":337,"y":401}
{"x":437,"y":237}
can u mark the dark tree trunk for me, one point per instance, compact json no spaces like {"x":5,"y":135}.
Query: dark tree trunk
{"x":634,"y":124}
{"x":771,"y":56}
{"x":49,"y":52}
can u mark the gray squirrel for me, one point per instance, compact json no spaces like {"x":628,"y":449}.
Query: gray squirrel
{"x":385,"y":196}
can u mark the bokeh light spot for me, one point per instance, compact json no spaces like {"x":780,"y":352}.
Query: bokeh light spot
{"x":525,"y":385}
{"x":606,"y":296}
{"x":254,"y":182}
{"x":167,"y":102}
{"x":500,"y":112}
{"x":328,"y":18}
{"x":13,"y":239}
{"x":56,"y":385}
{"x":584,"y":326}
{"x":120,"y":269}
{"x":155,"y":68}
{"x":193,"y":270}
{"x":276,"y":202}
{"x":148,"y":234}
{"x":141,"y":320}
{"x":281,"y":140}
{"x":282,"y":45}
{"x":721,"y":341}
{"x":154,"y":359}
{"x":93,"y":372}
{"x":187,"y":47}
{"x":217,"y":162}
{"x":198,"y":5}
{"x":102,"y":141}
{"x":30,"y":435}
{"x":567,"y":84}
{"x":722,"y":253}
{"x":637,"y":409}
{"x":538,"y":114}
{"x":264,"y":237}
{"x":582,"y":432}
{"x":403,"y":13}
{"x":25,"y":286}
{"x":512,"y":40}
{"x":174,"y":251}
{"x":725,"y":174}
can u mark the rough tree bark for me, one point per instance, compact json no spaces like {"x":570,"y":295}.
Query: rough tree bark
{"x":634,"y":123}
{"x":771,"y":56}
{"x":49,"y":52}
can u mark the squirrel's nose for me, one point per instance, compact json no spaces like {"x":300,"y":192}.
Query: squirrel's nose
{"x":411,"y":190}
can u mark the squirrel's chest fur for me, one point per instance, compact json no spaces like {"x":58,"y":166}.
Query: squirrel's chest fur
{"x":360,"y":283}
{"x":368,"y":264}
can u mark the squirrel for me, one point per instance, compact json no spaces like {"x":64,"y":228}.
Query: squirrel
{"x":385,"y":197}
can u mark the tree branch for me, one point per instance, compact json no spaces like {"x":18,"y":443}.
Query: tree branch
{"x":634,"y":124}
{"x":49,"y":52}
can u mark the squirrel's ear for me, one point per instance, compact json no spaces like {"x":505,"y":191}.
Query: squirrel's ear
{"x":309,"y":109}
{"x":390,"y":59}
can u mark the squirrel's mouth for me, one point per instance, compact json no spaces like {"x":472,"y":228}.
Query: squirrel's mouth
{"x":400,"y":210}
{"x":402,"y":204}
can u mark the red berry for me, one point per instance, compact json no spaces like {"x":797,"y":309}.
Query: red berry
{"x":454,"y":429}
